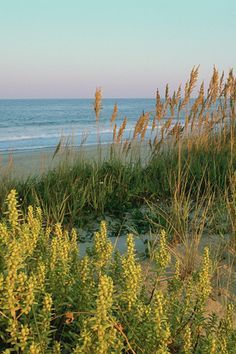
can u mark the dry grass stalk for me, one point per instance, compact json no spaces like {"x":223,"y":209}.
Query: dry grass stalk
{"x":189,"y":86}
{"x":207,"y":119}
{"x":176,"y":130}
{"x":185,"y":99}
{"x":145,"y":126}
{"x":166,"y":127}
{"x":114,"y":133}
{"x":213,"y":89}
{"x":178,"y":94}
{"x":193,"y":80}
{"x":174,"y":101}
{"x":121,"y":130}
{"x":221,"y":84}
{"x":186,"y":123}
{"x":137,"y":126}
{"x":155,"y":141}
{"x":199,"y":100}
{"x":98,"y":102}
{"x":167,"y":93}
{"x":159,"y":106}
{"x":172,"y":104}
{"x":126,"y":147}
{"x":140,"y":124}
{"x":159,"y":110}
{"x":200,"y":121}
{"x":114,"y":114}
{"x":150,"y":144}
{"x":168,"y":123}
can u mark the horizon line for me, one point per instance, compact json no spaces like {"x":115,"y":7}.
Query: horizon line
{"x":80,"y":98}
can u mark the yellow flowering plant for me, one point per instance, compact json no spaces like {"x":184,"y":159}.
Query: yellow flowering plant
{"x":52,"y":300}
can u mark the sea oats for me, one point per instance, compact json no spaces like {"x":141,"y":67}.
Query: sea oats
{"x":139,"y":127}
{"x":167,"y":93}
{"x":199,"y":100}
{"x":98,"y":102}
{"x":121,"y":130}
{"x":213,"y":87}
{"x":114,"y":133}
{"x":114,"y":113}
{"x":143,"y":133}
{"x":159,"y":106}
{"x":189,"y":86}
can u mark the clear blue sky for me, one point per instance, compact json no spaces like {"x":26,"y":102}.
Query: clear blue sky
{"x":65,"y":48}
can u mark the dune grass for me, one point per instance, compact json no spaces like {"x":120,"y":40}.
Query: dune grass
{"x":71,"y":191}
{"x":178,"y":185}
{"x":202,"y":151}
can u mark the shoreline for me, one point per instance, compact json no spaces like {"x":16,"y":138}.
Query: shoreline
{"x":20,"y":164}
{"x":30,"y":163}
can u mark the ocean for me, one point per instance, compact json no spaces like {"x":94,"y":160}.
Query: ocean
{"x":32,"y":124}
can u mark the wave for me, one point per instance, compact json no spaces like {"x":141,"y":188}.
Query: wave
{"x":60,"y":135}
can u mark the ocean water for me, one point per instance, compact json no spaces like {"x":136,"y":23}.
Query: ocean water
{"x":35,"y":124}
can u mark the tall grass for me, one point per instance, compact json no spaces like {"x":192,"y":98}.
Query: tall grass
{"x":69,"y":192}
{"x":178,"y":184}
{"x":145,"y":168}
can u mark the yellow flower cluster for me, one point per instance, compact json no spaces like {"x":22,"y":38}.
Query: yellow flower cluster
{"x":84,"y":269}
{"x":5,"y":235}
{"x":34,"y":349}
{"x":63,"y":248}
{"x":41,"y":275}
{"x":162,"y":255}
{"x":204,"y":287}
{"x":177,"y":270}
{"x":34,"y":225}
{"x":229,"y":316}
{"x":187,"y":340}
{"x":13,"y":261}
{"x":131,"y":273}
{"x":24,"y":334}
{"x":47,"y":303}
{"x":213,"y":347}
{"x":161,"y":325}
{"x":56,"y":348}
{"x":44,"y":326}
{"x":100,"y":327}
{"x":13,"y":213}
{"x":30,"y":294}
{"x":104,"y":300}
{"x":102,"y":247}
{"x":18,"y":288}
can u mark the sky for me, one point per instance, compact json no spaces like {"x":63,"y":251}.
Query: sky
{"x":67,"y":48}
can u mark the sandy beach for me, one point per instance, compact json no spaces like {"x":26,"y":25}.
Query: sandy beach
{"x":21,"y":164}
{"x":25,"y":163}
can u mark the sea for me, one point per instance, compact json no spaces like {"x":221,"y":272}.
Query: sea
{"x":31,"y":124}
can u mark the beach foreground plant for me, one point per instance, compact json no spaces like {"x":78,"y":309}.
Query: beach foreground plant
{"x":52,"y":300}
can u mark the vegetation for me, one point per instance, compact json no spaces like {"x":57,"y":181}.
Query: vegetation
{"x":52,"y":300}
{"x":171,"y":183}
{"x":144,"y":168}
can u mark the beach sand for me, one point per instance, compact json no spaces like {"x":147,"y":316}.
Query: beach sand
{"x":22,"y":164}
